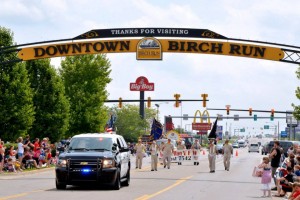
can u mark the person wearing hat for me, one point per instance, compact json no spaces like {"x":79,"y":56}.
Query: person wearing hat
{"x":196,"y":149}
{"x":168,"y":149}
{"x":227,"y":151}
{"x":154,"y":154}
{"x":140,"y":151}
{"x":212,"y":152}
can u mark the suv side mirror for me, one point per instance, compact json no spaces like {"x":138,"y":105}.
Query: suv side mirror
{"x":114,"y":147}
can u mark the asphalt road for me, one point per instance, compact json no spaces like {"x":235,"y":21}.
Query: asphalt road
{"x":182,"y":182}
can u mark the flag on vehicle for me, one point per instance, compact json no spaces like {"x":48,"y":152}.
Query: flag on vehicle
{"x":156,"y":130}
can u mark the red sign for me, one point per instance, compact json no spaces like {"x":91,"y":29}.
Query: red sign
{"x":201,"y":126}
{"x":201,"y":132}
{"x":141,"y":84}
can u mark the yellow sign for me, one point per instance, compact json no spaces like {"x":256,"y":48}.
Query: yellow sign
{"x":152,"y":49}
{"x":173,"y":135}
{"x":201,"y":116}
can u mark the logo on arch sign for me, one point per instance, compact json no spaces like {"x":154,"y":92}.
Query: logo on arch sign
{"x":141,"y":84}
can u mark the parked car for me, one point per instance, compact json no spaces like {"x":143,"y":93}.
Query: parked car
{"x":264,"y":149}
{"x":284,"y":144}
{"x":220,"y":147}
{"x":253,"y":147}
{"x":235,"y":145}
{"x":242,"y":144}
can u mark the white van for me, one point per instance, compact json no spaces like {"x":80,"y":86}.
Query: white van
{"x":254,"y":147}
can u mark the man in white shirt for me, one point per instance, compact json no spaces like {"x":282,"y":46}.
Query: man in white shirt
{"x":212,"y":152}
{"x":154,"y":153}
{"x":168,"y":149}
{"x":227,"y":153}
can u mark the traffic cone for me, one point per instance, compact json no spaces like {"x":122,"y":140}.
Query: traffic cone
{"x":236,"y":153}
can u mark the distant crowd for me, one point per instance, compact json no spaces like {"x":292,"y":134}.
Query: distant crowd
{"x":28,"y":154}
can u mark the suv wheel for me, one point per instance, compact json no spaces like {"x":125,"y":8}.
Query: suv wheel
{"x":60,"y":186}
{"x":127,"y":182}
{"x":117,"y":184}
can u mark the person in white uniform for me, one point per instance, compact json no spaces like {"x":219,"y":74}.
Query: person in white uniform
{"x":212,"y":152}
{"x":154,"y":154}
{"x":168,"y":149}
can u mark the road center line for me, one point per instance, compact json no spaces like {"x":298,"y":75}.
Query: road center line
{"x":19,"y":195}
{"x":182,"y":180}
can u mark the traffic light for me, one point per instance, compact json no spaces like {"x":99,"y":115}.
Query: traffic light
{"x":120,"y":102}
{"x":227,"y":109}
{"x":250,"y":111}
{"x":204,"y":99}
{"x":272,"y":115}
{"x":149,"y":102}
{"x":255,"y":117}
{"x":177,"y":96}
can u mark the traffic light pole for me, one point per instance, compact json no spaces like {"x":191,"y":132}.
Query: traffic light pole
{"x":142,"y":105}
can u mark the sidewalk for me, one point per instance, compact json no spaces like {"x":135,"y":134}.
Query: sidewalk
{"x":25,"y":172}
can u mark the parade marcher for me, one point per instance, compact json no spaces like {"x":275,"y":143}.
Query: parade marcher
{"x":140,"y":152}
{"x":154,"y":155}
{"x":212,"y":152}
{"x":227,"y":151}
{"x":196,"y":148}
{"x":180,"y":148}
{"x":168,"y":149}
{"x":275,"y":156}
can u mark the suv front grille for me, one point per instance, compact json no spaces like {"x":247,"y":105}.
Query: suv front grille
{"x":79,"y":165}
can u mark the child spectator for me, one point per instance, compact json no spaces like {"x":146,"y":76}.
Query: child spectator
{"x":10,"y":165}
{"x":28,"y":160}
{"x":295,"y":195}
{"x":20,"y":149}
{"x":266,"y":176}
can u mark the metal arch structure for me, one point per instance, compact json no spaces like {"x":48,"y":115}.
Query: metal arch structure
{"x":151,"y":43}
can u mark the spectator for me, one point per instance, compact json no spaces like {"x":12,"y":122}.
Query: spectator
{"x":20,"y":150}
{"x":36,"y":144}
{"x":266,"y":176}
{"x":2,"y":151}
{"x":283,"y":185}
{"x":295,"y":195}
{"x":275,"y":156}
{"x":27,"y":142}
{"x":28,"y":161}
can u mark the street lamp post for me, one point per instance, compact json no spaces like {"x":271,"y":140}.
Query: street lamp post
{"x":157,"y":106}
{"x":276,"y":129}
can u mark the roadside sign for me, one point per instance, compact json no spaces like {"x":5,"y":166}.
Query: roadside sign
{"x":236,"y":117}
{"x":220,"y":117}
{"x":201,"y":126}
{"x":266,"y":127}
{"x":283,"y":134}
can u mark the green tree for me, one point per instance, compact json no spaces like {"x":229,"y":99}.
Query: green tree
{"x":130,"y":125}
{"x":51,"y":105}
{"x":297,"y":108}
{"x":16,"y":106}
{"x":85,"y":78}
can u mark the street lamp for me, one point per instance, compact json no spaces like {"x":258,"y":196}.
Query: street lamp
{"x":275,"y":128}
{"x":157,"y":108}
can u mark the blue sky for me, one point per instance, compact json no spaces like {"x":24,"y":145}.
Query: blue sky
{"x":239,"y":82}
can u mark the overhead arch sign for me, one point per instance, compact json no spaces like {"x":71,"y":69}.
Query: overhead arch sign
{"x":151,"y":43}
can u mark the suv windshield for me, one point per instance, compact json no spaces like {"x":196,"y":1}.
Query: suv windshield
{"x":91,"y":143}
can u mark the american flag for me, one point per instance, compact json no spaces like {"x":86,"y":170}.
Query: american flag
{"x":109,"y":129}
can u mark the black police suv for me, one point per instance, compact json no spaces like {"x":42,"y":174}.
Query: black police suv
{"x":94,"y":158}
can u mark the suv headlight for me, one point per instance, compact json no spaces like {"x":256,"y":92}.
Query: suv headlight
{"x":61,"y":163}
{"x":108,"y":163}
